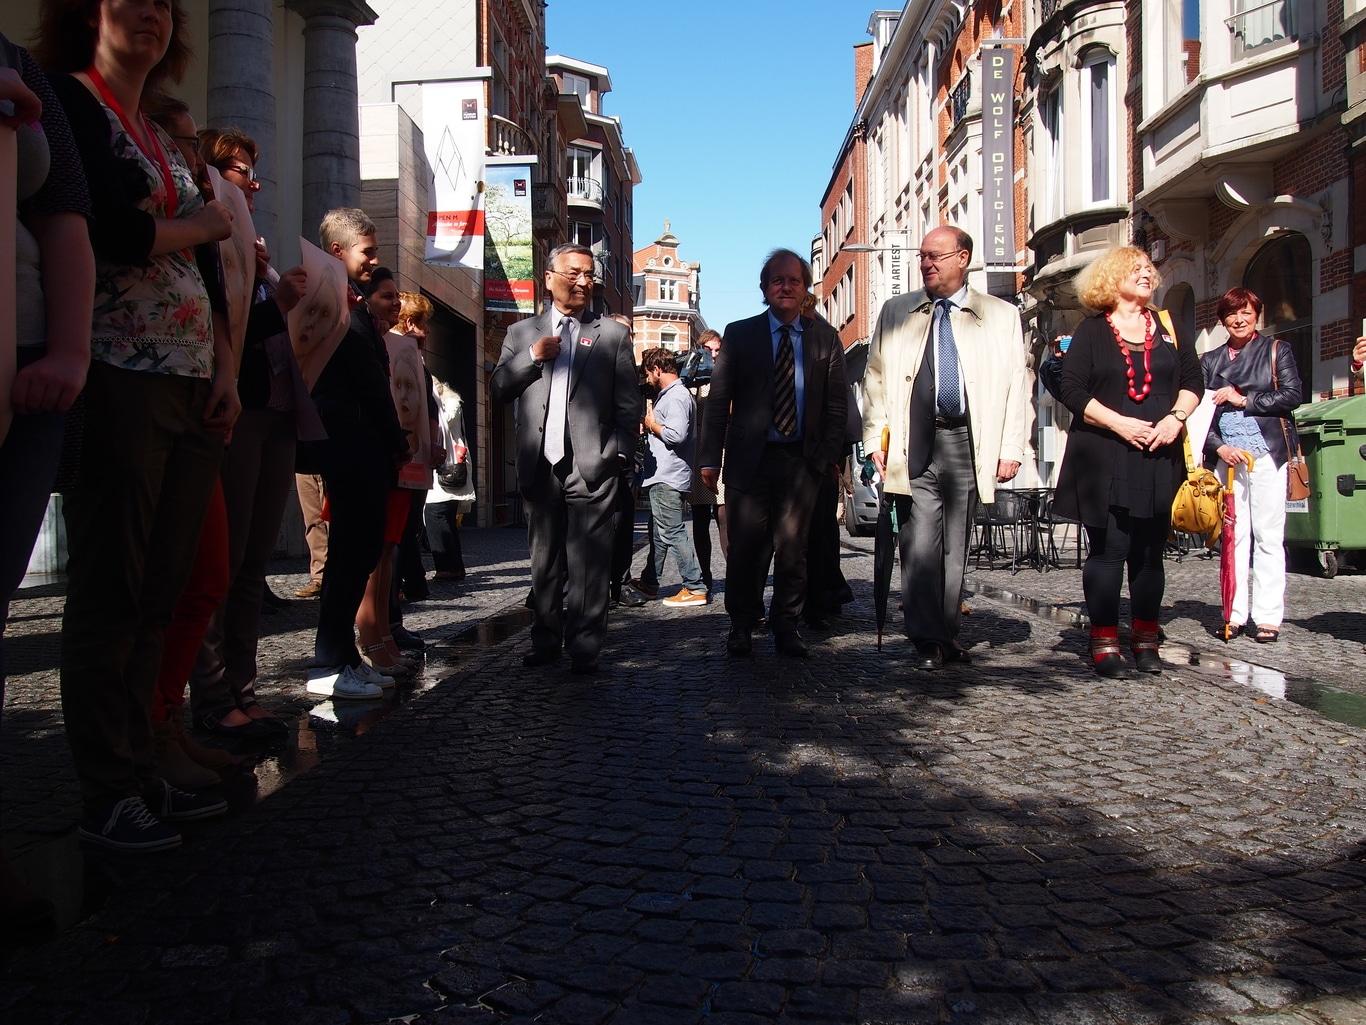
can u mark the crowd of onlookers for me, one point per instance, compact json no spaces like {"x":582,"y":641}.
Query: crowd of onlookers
{"x":173,"y":406}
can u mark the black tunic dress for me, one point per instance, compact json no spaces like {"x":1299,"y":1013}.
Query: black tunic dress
{"x":1100,"y":469}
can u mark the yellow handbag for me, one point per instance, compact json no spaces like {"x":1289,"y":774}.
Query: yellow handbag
{"x":1198,"y":507}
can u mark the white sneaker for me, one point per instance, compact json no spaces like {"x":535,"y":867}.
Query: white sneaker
{"x":342,"y":683}
{"x":370,"y":674}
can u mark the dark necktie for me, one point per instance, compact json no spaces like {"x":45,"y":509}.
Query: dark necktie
{"x":949,"y":395}
{"x":785,"y":386}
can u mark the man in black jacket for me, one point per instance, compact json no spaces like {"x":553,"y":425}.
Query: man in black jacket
{"x":777,"y":411}
{"x":359,"y":460}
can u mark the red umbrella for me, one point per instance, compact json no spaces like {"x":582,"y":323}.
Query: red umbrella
{"x":1228,"y":574}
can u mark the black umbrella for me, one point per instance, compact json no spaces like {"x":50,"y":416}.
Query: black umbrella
{"x":884,"y":545}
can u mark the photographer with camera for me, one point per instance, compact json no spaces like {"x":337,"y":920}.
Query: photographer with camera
{"x":671,"y":436}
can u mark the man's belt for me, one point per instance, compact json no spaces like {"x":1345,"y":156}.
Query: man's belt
{"x":949,"y":423}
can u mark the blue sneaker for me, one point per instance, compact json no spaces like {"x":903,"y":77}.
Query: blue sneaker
{"x":128,"y":825}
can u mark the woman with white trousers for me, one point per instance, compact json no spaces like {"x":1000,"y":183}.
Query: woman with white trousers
{"x":1255,"y":386}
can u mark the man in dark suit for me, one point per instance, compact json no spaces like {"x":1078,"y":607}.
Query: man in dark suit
{"x":777,"y":411}
{"x":578,"y":410}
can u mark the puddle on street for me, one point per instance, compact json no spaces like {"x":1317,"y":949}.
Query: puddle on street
{"x":1339,"y":705}
{"x":78,"y":880}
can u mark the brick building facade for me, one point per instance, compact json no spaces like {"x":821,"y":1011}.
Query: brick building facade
{"x":668,"y":295}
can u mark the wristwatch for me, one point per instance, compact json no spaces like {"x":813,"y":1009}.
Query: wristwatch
{"x":1180,"y":416}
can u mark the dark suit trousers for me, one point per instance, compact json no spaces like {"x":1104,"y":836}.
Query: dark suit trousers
{"x":774,"y":508}
{"x":936,"y":524}
{"x":570,"y":529}
{"x":825,"y":581}
{"x":358,"y":480}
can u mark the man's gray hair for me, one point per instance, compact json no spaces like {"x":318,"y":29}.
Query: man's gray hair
{"x":565,"y":250}
{"x":344,"y":225}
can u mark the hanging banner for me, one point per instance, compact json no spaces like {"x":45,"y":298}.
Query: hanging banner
{"x":509,"y":255}
{"x":998,"y":158}
{"x":454,"y":127}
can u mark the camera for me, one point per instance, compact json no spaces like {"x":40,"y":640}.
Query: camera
{"x":694,"y":370}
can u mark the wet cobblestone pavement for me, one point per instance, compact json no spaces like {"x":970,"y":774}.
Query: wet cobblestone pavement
{"x":690,"y":839}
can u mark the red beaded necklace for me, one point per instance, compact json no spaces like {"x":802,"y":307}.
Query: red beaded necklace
{"x":1141,"y":394}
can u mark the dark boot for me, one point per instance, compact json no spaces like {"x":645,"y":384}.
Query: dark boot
{"x":1144,"y":642}
{"x":1105,"y":654}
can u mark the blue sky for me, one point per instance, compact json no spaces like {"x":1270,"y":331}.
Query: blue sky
{"x":735,"y":111}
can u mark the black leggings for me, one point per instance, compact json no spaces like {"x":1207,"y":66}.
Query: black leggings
{"x":1137,"y":541}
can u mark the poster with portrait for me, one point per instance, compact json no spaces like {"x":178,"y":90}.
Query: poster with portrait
{"x":408,"y":385}
{"x":319,"y":321}
{"x":9,"y":327}
{"x":237,"y":253}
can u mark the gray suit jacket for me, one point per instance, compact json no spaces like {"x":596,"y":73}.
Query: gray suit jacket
{"x":604,"y":397}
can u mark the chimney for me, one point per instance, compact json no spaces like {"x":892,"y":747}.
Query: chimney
{"x":863,"y":70}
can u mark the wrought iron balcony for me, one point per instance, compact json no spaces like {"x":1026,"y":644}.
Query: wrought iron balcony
{"x":509,"y":139}
{"x":958,"y":99}
{"x":584,"y":190}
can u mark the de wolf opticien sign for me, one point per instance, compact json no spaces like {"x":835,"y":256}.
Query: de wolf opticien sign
{"x":998,"y":158}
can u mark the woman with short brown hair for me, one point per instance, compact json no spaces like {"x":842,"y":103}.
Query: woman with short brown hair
{"x":1256,"y":387}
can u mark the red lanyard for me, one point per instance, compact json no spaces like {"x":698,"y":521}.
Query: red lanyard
{"x":157,"y":156}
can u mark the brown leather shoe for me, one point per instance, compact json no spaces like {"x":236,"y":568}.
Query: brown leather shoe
{"x":310,"y":590}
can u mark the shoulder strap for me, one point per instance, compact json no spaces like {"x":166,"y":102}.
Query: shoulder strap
{"x":1275,"y":385}
{"x":1166,"y":319}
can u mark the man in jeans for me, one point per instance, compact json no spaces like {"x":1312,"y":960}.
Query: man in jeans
{"x":671,"y":437}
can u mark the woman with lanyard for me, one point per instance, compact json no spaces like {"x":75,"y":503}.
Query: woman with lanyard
{"x":161,"y":398}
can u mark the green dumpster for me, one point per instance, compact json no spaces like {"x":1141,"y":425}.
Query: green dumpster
{"x":1333,"y":519}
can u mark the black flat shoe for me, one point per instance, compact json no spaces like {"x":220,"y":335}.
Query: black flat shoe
{"x":584,"y":666}
{"x":252,"y":731}
{"x":407,"y":640}
{"x":536,"y":657}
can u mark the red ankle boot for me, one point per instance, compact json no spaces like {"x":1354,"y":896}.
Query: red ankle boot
{"x":1144,"y":642}
{"x":1105,"y":654}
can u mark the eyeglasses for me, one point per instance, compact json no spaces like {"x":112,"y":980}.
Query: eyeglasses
{"x":586,"y":276}
{"x":925,"y":254}
{"x":249,"y":173}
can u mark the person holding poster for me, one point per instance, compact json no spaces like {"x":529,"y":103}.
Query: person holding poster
{"x":55,"y":272}
{"x":161,"y":397}
{"x":257,"y":473}
{"x":359,"y":459}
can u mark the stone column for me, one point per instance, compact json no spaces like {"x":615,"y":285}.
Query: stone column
{"x":241,"y":91}
{"x":331,"y":139}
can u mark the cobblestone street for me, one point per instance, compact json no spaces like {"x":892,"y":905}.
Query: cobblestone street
{"x":690,"y":839}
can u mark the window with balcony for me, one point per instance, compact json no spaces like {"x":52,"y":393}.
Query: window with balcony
{"x":1100,"y":131}
{"x":1258,"y":24}
{"x":585,"y":180}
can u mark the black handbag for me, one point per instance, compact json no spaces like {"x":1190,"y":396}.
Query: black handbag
{"x":453,"y":476}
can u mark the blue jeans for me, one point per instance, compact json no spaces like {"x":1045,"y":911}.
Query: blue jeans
{"x":666,"y":509}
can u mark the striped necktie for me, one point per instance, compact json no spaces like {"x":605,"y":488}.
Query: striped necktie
{"x":785,"y":386}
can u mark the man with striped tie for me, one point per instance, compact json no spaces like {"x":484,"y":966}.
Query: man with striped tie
{"x":946,"y":376}
{"x":777,"y":411}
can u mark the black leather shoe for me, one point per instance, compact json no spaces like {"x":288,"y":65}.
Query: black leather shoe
{"x":790,"y":643}
{"x":928,"y":657}
{"x":953,"y":653}
{"x":540,"y":657}
{"x":407,"y":640}
{"x":739,"y":642}
{"x":584,"y":666}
